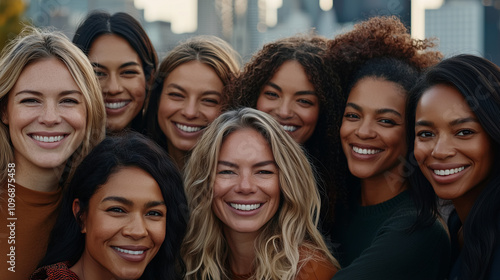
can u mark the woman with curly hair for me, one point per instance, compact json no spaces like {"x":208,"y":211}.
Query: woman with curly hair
{"x":376,"y":226}
{"x":454,"y":123}
{"x":288,"y":79}
{"x":188,"y":93}
{"x":254,"y":204}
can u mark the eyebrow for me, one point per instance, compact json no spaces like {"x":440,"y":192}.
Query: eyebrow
{"x":130,"y":202}
{"x":302,"y":92}
{"x":452,"y":123}
{"x":126,"y":64}
{"x":259,"y":164}
{"x":208,"y":92}
{"x":37,"y":93}
{"x":378,"y":111}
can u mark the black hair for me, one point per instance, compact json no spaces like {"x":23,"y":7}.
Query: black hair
{"x":126,"y":149}
{"x":478,"y":80}
{"x":98,"y":23}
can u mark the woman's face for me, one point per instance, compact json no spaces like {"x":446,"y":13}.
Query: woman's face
{"x":291,"y":99}
{"x":373,"y":129}
{"x":453,"y":150}
{"x":246,"y":187}
{"x":46,"y":115}
{"x":122,"y":79}
{"x":190,"y":100}
{"x":124,"y":227}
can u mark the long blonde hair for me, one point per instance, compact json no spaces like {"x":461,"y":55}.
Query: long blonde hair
{"x":36,"y":44}
{"x":294,"y":226}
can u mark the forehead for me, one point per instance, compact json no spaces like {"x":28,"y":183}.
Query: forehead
{"x":246,"y":143}
{"x":445,"y":100}
{"x":377,"y":93}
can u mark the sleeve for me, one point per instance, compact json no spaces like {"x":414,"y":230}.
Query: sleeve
{"x":397,"y":254}
{"x":317,"y":270}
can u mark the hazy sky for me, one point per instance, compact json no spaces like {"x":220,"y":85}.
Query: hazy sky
{"x":182,"y":13}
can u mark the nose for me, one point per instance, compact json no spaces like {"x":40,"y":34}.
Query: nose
{"x":190,"y":110}
{"x":443,"y":148}
{"x":246,"y":184}
{"x":112,"y":85}
{"x":285,"y":110}
{"x":50,"y":115}
{"x":365,"y":130}
{"x":136,"y":227}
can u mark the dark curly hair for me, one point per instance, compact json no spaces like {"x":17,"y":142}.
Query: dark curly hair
{"x":377,"y":37}
{"x":323,"y":147}
{"x":379,"y":47}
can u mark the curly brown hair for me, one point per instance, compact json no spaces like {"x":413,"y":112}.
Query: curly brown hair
{"x":384,"y":36}
{"x":323,"y":147}
{"x":378,"y":47}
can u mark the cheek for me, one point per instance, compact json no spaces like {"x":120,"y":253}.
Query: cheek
{"x":166,"y":108}
{"x":263,"y":104}
{"x":310,"y":116}
{"x":158,"y":232}
{"x":211,"y":113}
{"x":138,"y":90}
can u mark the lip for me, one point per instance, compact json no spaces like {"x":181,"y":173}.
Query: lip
{"x":131,"y":257}
{"x":372,"y":152}
{"x":183,"y":129}
{"x":290,"y":127}
{"x":56,"y":139}
{"x":116,"y":106}
{"x":248,"y":204}
{"x":447,"y":179}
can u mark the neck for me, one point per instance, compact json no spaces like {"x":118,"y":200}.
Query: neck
{"x":242,"y":252}
{"x":464,"y":203}
{"x":381,"y":188}
{"x":178,"y":156}
{"x":36,"y":178}
{"x":87,"y":269}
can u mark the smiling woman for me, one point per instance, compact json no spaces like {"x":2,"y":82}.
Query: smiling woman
{"x":123,"y":217}
{"x":51,"y":117}
{"x":189,"y":93}
{"x":254,"y":204}
{"x":124,"y":60}
{"x":453,"y":122}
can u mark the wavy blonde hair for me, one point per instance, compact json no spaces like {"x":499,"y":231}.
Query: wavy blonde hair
{"x":205,"y":250}
{"x":29,"y":47}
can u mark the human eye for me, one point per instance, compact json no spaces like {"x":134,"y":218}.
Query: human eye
{"x":424,"y":134}
{"x":175,"y":95}
{"x":210,"y":101}
{"x":155,"y":213}
{"x":351,"y":116}
{"x":271,"y":95}
{"x":465,"y":132}
{"x":388,"y":122}
{"x":305,"y":102}
{"x":70,"y":101}
{"x":100,"y":74}
{"x":130,"y":73}
{"x":265,"y":172}
{"x":30,"y":100}
{"x":225,"y":172}
{"x":115,"y":209}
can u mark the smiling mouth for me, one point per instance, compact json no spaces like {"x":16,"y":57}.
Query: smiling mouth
{"x":47,"y":139}
{"x":289,"y":128}
{"x":245,"y":207}
{"x":446,"y":172}
{"x":116,"y":105}
{"x":189,"y":129}
{"x":130,"y":252}
{"x":361,"y":151}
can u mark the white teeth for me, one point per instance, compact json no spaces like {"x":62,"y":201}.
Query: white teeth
{"x":116,"y":105}
{"x":289,"y":128}
{"x":445,"y":172}
{"x":47,"y":139}
{"x":365,"y":151}
{"x":186,"y":128}
{"x":245,"y":207}
{"x":128,"y":251}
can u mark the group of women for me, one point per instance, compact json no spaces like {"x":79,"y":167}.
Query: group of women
{"x":319,"y":159}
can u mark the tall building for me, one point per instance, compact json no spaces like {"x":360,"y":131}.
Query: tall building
{"x":458,"y":26}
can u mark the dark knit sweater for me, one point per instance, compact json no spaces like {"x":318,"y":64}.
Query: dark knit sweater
{"x":374,"y":243}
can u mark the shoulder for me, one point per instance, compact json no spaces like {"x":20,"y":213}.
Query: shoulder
{"x":57,"y":271}
{"x":314,"y":265}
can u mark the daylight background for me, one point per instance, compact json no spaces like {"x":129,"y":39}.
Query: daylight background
{"x":461,"y":26}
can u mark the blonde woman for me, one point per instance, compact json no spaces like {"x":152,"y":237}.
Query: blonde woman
{"x":52,"y":115}
{"x":189,"y":93}
{"x":254,"y":204}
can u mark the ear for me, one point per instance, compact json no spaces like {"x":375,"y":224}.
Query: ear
{"x":5,"y":118}
{"x":80,"y":217}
